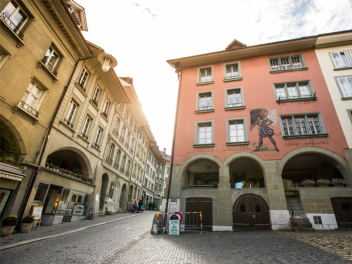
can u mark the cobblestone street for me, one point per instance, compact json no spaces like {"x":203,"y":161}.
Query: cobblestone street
{"x":128,"y":240}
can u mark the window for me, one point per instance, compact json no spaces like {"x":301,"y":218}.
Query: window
{"x":349,"y":112}
{"x":204,"y":136}
{"x":85,"y":129}
{"x":83,"y":79}
{"x":167,"y":170}
{"x":345,"y":86}
{"x":96,"y":95}
{"x":287,"y":63}
{"x":232,"y":71}
{"x":31,"y":98}
{"x":317,"y":220}
{"x":236,"y":130}
{"x":106,"y":108}
{"x":116,"y":128}
{"x":14,"y":17}
{"x":205,"y":102}
{"x":205,"y":75}
{"x":302,"y":125}
{"x":111,"y":153}
{"x":294,"y":91}
{"x":340,"y":59}
{"x":51,"y":60}
{"x":234,"y":99}
{"x":97,"y":138}
{"x":71,"y":113}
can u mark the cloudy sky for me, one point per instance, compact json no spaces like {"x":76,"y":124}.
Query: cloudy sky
{"x":143,"y":34}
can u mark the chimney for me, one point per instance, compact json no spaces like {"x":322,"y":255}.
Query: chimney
{"x":165,"y":150}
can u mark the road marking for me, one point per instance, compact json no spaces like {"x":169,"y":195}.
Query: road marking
{"x":65,"y":233}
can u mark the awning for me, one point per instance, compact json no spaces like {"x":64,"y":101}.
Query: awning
{"x":12,"y":176}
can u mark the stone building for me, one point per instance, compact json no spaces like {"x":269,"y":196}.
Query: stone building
{"x":254,"y":122}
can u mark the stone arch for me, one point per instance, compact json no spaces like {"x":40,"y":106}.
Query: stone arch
{"x":15,"y":131}
{"x":103,"y":190}
{"x":249,"y":155}
{"x":325,"y":154}
{"x":188,"y":162}
{"x":123,"y":196}
{"x":82,"y":158}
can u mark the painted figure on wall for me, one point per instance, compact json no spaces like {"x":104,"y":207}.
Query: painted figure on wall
{"x":264,"y":118}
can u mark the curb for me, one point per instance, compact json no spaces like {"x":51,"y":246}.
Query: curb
{"x":65,"y":233}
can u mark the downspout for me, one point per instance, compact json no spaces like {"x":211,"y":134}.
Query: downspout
{"x":35,"y":174}
{"x":173,"y":142}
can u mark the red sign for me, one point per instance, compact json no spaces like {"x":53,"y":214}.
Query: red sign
{"x":178,"y":213}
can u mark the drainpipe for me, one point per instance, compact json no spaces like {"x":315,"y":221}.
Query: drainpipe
{"x":173,"y":143}
{"x":35,"y":174}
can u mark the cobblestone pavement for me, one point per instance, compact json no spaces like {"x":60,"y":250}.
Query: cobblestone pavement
{"x":337,"y":242}
{"x":58,"y":229}
{"x":129,"y":241}
{"x":223,"y":247}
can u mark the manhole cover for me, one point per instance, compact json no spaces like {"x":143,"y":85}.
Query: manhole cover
{"x":81,"y":256}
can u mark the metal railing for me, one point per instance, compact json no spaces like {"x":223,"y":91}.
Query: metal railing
{"x":84,"y":136}
{"x":127,"y":173}
{"x":49,"y":67}
{"x":28,"y":108}
{"x":96,"y":145}
{"x":122,"y":170}
{"x":69,"y":123}
{"x":108,"y":159}
{"x":13,"y":26}
{"x":116,"y":165}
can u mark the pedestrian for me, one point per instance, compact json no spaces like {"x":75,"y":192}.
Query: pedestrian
{"x":135,"y":206}
{"x":140,"y":205}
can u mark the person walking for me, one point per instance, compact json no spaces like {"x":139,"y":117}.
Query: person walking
{"x":140,"y":205}
{"x":135,"y":206}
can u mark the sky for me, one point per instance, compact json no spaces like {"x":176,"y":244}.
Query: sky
{"x":143,"y":34}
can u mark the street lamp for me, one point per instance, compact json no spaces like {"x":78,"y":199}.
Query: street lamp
{"x":107,"y":61}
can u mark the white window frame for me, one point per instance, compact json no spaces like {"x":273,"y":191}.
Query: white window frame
{"x":98,"y":137}
{"x":239,"y":90}
{"x":111,"y":151}
{"x":71,"y":113}
{"x":96,"y":94}
{"x":10,"y":19}
{"x":199,"y":124}
{"x":205,"y":68}
{"x":239,"y":120}
{"x":47,"y":60}
{"x":345,"y":95}
{"x":33,"y":110}
{"x":106,"y":107}
{"x":198,"y":97}
{"x":340,"y":60}
{"x":300,"y":93}
{"x":293,"y":66}
{"x":82,"y":81}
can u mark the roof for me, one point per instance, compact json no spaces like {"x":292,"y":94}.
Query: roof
{"x":165,"y":156}
{"x":237,"y":50}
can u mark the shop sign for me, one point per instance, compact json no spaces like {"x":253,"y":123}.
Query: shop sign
{"x":174,"y":225}
{"x":79,"y":209}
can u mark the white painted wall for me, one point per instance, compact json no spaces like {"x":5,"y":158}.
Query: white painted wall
{"x":328,"y":221}
{"x":341,"y":106}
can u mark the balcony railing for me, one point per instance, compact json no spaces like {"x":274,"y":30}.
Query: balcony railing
{"x":122,"y":170}
{"x":127,"y":173}
{"x":121,"y":139}
{"x":28,"y":108}
{"x":116,"y":165}
{"x":69,"y":123}
{"x":96,"y":145}
{"x":13,"y":26}
{"x":131,"y":150}
{"x":108,"y":159}
{"x":84,"y":136}
{"x":126,"y":145}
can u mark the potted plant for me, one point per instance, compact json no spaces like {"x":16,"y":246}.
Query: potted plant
{"x":149,"y":206}
{"x":7,"y":225}
{"x":323,"y":182}
{"x":308,"y":183}
{"x":338,"y":182}
{"x":245,"y":185}
{"x":27,"y":224}
{"x":255,"y":185}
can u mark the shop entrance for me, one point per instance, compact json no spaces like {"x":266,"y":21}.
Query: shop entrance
{"x":103,"y":190}
{"x":251,"y":212}
{"x":197,"y":204}
{"x":343,"y":211}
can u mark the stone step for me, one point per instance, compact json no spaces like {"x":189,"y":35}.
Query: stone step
{"x":304,"y":229}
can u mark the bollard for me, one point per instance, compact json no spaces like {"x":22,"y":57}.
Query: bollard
{"x":157,"y":223}
{"x":201,"y":222}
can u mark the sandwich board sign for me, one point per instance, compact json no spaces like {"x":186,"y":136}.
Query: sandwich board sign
{"x":174,"y":225}
{"x":37,"y":214}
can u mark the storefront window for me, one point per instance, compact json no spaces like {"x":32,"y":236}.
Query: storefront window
{"x":4,"y":196}
{"x":52,"y":199}
{"x":40,"y":195}
{"x":73,"y":203}
{"x":113,"y":192}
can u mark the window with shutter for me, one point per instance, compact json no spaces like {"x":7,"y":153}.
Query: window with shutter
{"x":345,"y":85}
{"x":340,"y":59}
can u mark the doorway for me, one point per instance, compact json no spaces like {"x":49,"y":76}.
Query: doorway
{"x":197,"y":204}
{"x":251,"y":212}
{"x":343,"y":211}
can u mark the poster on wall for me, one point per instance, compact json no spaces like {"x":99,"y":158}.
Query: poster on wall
{"x":264,"y":119}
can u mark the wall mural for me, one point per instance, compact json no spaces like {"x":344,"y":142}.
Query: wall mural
{"x":263,"y":118}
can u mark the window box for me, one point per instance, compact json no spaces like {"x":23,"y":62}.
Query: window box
{"x":294,"y":91}
{"x":236,"y":131}
{"x":232,"y":71}
{"x":305,"y":125}
{"x":234,"y":99}
{"x":287,"y":63}
{"x":205,"y":75}
{"x":204,"y":134}
{"x":344,"y":83}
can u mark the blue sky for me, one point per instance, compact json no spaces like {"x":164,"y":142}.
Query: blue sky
{"x":143,"y":34}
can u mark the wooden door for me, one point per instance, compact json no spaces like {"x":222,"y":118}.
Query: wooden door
{"x":343,"y":211}
{"x":251,"y":212}
{"x":197,"y":204}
